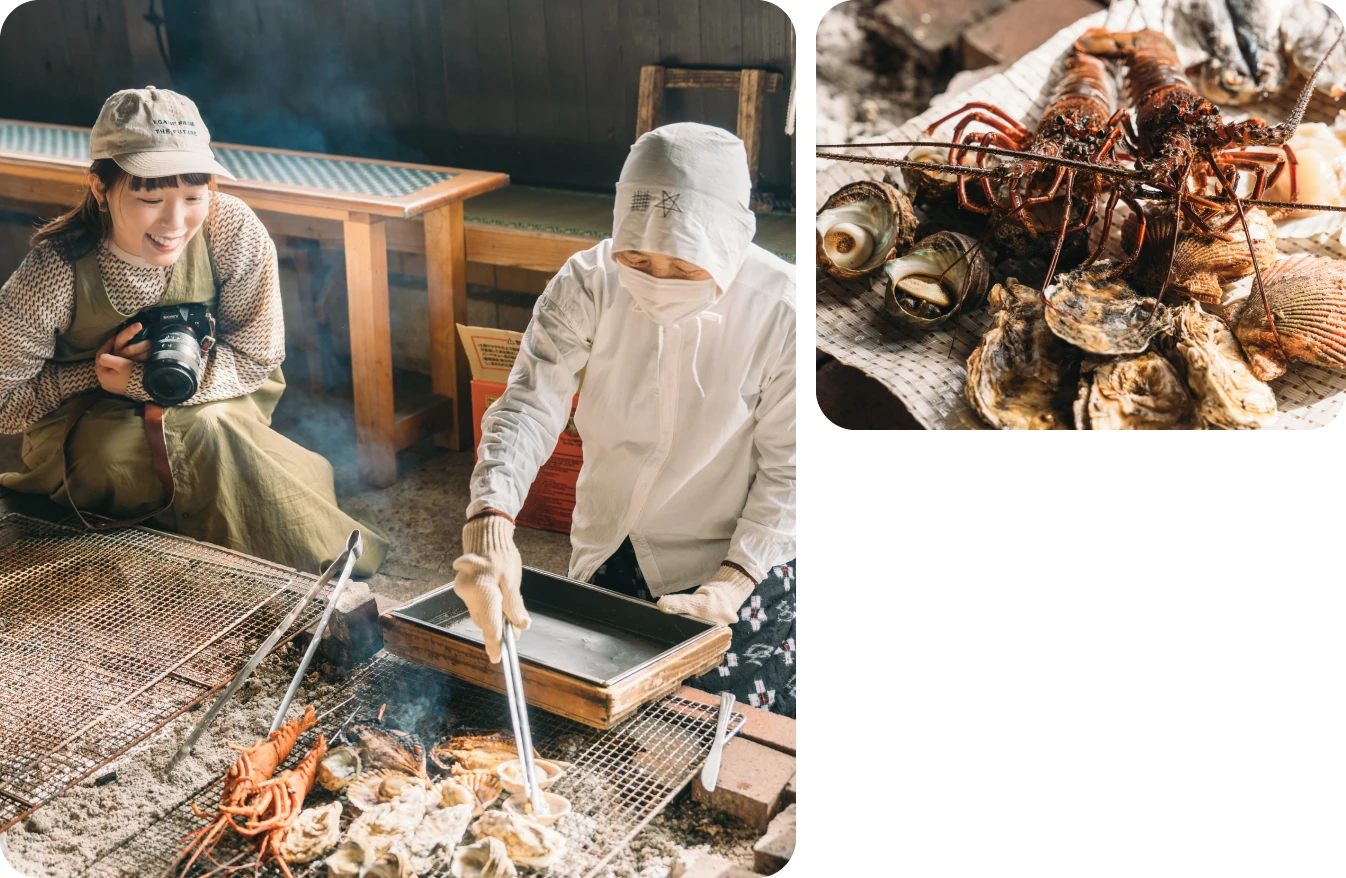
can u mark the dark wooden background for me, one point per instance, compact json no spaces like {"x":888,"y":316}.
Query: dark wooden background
{"x":544,"y":90}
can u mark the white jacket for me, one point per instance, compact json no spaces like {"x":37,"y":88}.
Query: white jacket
{"x":693,"y":481}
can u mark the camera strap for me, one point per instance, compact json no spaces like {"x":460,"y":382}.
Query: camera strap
{"x":154,"y":434}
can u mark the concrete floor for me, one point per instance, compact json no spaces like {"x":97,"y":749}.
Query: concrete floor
{"x":422,"y":512}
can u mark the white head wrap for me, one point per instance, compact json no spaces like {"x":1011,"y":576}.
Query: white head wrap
{"x":684,"y":192}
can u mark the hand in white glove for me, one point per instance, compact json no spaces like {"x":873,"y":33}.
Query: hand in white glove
{"x":488,"y":578}
{"x":717,"y":601}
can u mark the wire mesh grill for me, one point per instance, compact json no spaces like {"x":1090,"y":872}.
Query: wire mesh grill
{"x":618,"y":781}
{"x":106,"y":637}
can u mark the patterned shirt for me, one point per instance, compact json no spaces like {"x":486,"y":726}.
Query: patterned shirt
{"x":38,"y":302}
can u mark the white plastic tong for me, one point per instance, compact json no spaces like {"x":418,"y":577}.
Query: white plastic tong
{"x":518,"y":714}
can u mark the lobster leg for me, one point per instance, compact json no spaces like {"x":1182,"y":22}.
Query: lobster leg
{"x":977,"y":105}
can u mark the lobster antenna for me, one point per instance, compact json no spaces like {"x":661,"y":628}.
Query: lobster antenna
{"x":1285,"y":205}
{"x":967,"y":170}
{"x":1287,"y":128}
{"x":1060,"y":240}
{"x":992,"y":150}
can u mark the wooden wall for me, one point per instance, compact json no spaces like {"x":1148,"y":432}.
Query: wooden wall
{"x":544,"y":90}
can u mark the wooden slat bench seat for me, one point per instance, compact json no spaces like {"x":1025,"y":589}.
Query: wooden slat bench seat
{"x":367,"y":206}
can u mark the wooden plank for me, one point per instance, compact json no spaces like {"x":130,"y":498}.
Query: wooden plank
{"x":718,"y":80}
{"x":522,"y":248}
{"x":432,"y":416}
{"x":371,"y":348}
{"x":446,"y":283}
{"x":587,"y":703}
{"x":650,"y":107}
{"x":751,"y":100}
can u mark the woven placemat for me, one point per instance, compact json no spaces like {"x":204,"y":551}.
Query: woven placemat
{"x":927,"y":371}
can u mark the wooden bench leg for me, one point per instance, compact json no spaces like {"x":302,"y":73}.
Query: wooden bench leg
{"x":446,"y":283}
{"x":751,"y":103}
{"x":371,"y":347}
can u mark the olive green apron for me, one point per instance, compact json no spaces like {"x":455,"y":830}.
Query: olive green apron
{"x":239,"y":484}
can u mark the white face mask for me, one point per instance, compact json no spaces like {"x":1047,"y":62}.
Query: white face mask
{"x":667,"y":301}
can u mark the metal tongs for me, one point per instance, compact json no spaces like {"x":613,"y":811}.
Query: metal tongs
{"x":518,"y":715}
{"x":346,"y":560}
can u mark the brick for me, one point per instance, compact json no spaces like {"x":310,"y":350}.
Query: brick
{"x":925,"y":28}
{"x":751,"y":783}
{"x":353,"y":633}
{"x":762,"y":726}
{"x":1020,"y":28}
{"x":775,"y":849}
{"x":691,"y":864}
{"x":788,"y":796}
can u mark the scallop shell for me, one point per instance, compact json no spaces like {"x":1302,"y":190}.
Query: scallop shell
{"x":372,"y":788}
{"x":861,"y":226}
{"x":338,"y":768}
{"x":314,"y":832}
{"x":476,"y":788}
{"x":1101,"y":314}
{"x":1202,"y":264}
{"x":488,"y":858}
{"x":546,"y":772}
{"x":930,"y":187}
{"x":1142,"y":392}
{"x":528,"y":842}
{"x":1021,"y":376}
{"x":1228,"y":395}
{"x":1307,"y":295}
{"x":943,"y":275}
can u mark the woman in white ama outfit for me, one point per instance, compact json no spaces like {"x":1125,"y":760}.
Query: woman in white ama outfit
{"x":686,"y":332}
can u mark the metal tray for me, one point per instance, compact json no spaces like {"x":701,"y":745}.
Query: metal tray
{"x":578,"y":629}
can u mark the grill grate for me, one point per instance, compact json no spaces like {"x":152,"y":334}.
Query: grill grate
{"x":106,"y":637}
{"x":619,"y":779}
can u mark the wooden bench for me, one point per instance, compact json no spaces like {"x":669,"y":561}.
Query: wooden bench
{"x":364,"y":205}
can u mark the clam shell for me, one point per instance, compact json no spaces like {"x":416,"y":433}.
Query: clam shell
{"x":338,"y":768}
{"x":1307,"y":295}
{"x":1228,"y":395}
{"x":314,"y":832}
{"x":1021,"y":376}
{"x":1201,"y":264}
{"x":1142,"y":392}
{"x":860,"y":227}
{"x":487,"y":858}
{"x":1103,"y":315}
{"x":913,"y":282}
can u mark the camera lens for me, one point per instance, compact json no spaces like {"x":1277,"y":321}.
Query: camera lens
{"x":173,"y":366}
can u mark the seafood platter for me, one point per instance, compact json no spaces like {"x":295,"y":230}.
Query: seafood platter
{"x":1139,"y":225}
{"x":427,"y":784}
{"x":591,"y":655}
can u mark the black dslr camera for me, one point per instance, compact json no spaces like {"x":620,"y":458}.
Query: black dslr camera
{"x":179,"y":337}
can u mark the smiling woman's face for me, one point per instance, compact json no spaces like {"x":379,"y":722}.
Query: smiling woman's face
{"x":154,"y":224}
{"x":660,"y":265}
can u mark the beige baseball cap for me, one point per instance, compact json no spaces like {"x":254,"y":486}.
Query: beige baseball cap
{"x":154,"y":132}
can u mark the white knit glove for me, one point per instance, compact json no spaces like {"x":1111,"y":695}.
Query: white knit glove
{"x":717,"y":601}
{"x":488,"y":579}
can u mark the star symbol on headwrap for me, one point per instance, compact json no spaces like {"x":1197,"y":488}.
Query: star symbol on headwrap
{"x":668,"y":203}
{"x":640,"y":202}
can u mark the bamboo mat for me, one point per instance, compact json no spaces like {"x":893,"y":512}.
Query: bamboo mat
{"x":927,"y":371}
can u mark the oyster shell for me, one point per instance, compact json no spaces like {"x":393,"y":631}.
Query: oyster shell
{"x":431,"y":844}
{"x":1202,"y":264}
{"x":348,"y":861}
{"x":381,"y":785}
{"x":860,"y":227}
{"x":1307,"y":295}
{"x":388,"y":822}
{"x":395,"y":862}
{"x":338,"y":768}
{"x":1228,"y":395}
{"x":527,"y":842}
{"x":944,"y":274}
{"x":1141,"y":392}
{"x":1102,"y":315}
{"x":314,"y":832}
{"x":487,"y":858}
{"x":1021,"y":376}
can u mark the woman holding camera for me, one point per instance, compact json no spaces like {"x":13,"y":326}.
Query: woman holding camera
{"x":152,"y":244}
